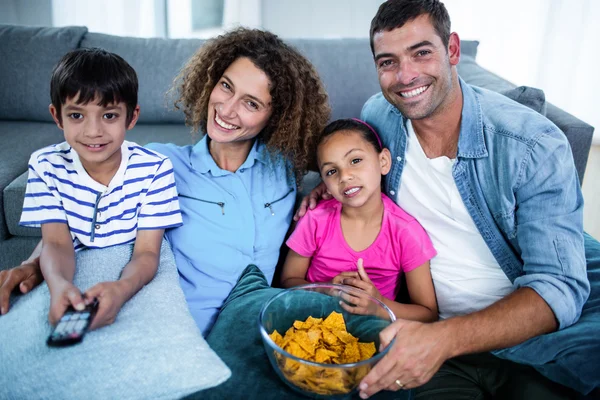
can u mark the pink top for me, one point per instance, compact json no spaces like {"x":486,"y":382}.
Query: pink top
{"x":402,"y":245}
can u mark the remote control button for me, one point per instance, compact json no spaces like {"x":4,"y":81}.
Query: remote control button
{"x":79,"y":326}
{"x":84,"y":315}
{"x":66,"y":317}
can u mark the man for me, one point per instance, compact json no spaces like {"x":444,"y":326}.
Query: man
{"x":495,"y":186}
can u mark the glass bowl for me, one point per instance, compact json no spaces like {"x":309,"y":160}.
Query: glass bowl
{"x":315,"y":379}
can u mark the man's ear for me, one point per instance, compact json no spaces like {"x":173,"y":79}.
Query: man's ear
{"x":454,"y":48}
{"x":134,"y":117}
{"x":385,"y":161}
{"x":55,"y":116}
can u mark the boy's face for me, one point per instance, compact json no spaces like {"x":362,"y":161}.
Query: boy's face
{"x":95,"y":132}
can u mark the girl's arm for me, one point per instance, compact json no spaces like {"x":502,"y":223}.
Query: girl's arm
{"x":423,"y":305}
{"x":294,"y":270}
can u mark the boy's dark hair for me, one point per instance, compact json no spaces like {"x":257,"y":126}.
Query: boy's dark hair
{"x":353,"y":125}
{"x":394,"y":14}
{"x":94,"y":73}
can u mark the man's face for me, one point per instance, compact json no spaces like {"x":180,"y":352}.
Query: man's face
{"x":414,"y":67}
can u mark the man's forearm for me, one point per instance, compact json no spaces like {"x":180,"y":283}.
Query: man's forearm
{"x":508,"y":322}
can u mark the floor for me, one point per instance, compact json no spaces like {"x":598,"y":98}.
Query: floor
{"x":591,"y":193}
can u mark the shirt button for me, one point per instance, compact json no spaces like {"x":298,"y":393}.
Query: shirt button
{"x":392,"y":192}
{"x":242,"y":170}
{"x":399,"y":158}
{"x":97,"y":226}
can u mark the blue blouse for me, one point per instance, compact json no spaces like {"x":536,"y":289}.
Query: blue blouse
{"x":230,"y":220}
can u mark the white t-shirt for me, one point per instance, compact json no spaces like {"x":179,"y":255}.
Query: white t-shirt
{"x":141,"y":195}
{"x":466,"y":276}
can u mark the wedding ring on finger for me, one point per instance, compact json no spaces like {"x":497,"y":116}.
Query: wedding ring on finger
{"x":400,"y":385}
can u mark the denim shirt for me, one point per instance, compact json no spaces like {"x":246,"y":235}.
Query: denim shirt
{"x":517,"y":178}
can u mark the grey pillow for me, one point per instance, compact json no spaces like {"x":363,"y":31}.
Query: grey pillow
{"x":153,"y":350}
{"x":528,"y":96}
{"x":28,"y":56}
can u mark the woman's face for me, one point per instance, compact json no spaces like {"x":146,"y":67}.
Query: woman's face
{"x":239,"y":106}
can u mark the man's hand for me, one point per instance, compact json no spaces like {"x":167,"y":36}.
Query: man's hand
{"x":26,"y":276}
{"x":416,"y":355}
{"x":310,"y":201}
{"x":62,"y":295}
{"x":111,"y":296}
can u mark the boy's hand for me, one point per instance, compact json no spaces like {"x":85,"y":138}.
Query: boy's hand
{"x":318,"y":193}
{"x":62,"y":296}
{"x":111,"y":296}
{"x":26,"y":276}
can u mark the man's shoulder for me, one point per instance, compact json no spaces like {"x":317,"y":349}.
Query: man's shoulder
{"x":518,"y":120}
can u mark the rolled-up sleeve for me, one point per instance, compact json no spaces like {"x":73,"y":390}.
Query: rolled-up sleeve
{"x":549,"y":218}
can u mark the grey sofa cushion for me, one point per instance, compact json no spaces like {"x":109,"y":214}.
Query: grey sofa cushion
{"x":157,"y":62}
{"x":154,"y":350}
{"x":28,"y":56}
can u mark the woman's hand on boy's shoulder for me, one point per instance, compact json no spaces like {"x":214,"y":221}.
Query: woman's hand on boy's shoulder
{"x":310,"y":201}
{"x":111,"y":296}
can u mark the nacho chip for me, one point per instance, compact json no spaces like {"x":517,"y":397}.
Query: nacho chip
{"x":325,"y":342}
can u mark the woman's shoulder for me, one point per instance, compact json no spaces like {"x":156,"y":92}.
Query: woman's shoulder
{"x":173,"y":151}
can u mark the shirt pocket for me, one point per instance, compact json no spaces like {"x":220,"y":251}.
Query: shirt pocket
{"x":272,"y":218}
{"x":207,"y":205}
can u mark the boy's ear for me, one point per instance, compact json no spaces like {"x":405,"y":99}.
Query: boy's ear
{"x":55,"y":115}
{"x":134,"y":117}
{"x":385,"y":161}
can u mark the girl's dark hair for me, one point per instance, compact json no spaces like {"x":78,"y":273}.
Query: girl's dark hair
{"x":299,"y":103}
{"x":89,"y":73}
{"x":354,"y":125}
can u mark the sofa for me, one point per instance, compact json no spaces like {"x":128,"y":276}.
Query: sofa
{"x":29,"y":54}
{"x":345,"y":66}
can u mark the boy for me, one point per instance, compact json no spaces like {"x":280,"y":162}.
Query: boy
{"x":95,"y":189}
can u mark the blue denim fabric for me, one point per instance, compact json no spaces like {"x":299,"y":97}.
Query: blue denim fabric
{"x":516,"y":175}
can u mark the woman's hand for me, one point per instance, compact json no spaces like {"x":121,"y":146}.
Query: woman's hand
{"x":310,"y":201}
{"x":26,"y":276}
{"x":111,"y":296}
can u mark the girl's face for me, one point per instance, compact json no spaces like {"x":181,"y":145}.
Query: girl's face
{"x":351,"y":168}
{"x":239,"y":106}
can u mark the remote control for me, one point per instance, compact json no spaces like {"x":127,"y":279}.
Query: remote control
{"x":72,"y":326}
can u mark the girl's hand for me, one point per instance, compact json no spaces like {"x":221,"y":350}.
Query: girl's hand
{"x":339,"y":279}
{"x":111,"y":296}
{"x":63,"y":295}
{"x":362,"y":281}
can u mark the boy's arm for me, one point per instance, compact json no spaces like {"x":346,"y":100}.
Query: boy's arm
{"x":57,"y":263}
{"x":294,"y":270}
{"x":423,"y":305}
{"x":137,"y":273}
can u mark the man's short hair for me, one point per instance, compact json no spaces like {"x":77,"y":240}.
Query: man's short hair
{"x":394,"y":14}
{"x":92,"y":73}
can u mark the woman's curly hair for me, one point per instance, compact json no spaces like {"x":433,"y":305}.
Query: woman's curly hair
{"x":299,"y":103}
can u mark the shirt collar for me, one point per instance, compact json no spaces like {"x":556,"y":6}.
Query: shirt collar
{"x":471,"y":143}
{"x":202,"y":161}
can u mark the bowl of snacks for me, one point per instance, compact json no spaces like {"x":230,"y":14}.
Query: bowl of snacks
{"x":322,"y":339}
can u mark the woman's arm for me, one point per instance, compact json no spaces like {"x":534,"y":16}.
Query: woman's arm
{"x":423,"y":305}
{"x":294,"y":270}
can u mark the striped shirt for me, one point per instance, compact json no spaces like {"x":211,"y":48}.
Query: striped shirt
{"x":141,"y":195}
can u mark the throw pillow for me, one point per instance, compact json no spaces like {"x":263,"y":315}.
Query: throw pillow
{"x":153,"y":350}
{"x":235,"y":337}
{"x":528,"y":96}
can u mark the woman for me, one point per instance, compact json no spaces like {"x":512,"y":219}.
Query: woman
{"x":261,"y":105}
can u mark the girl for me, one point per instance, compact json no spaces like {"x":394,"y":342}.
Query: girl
{"x":360,"y":237}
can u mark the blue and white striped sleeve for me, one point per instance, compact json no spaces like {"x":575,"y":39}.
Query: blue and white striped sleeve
{"x":42,"y":203}
{"x":160,"y":208}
